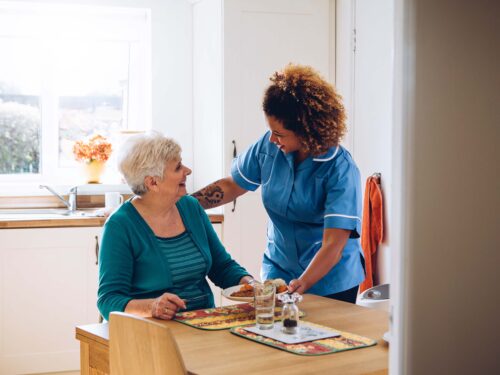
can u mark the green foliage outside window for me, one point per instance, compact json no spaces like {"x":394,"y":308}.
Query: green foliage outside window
{"x":19,"y":138}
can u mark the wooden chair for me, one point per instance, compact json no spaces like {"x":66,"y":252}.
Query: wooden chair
{"x":141,"y":346}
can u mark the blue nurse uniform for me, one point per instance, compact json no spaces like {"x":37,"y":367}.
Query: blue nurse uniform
{"x":320,"y":192}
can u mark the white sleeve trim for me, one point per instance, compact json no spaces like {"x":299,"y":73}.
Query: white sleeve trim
{"x":346,"y":216}
{"x":243,"y":176}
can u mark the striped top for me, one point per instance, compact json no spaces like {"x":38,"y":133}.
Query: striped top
{"x":188,"y":268}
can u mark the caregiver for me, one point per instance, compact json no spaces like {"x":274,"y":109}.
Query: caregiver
{"x":310,"y":184}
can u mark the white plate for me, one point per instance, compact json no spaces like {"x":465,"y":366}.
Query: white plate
{"x":228,"y":291}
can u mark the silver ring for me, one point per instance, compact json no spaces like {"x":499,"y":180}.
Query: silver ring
{"x":165,"y":310}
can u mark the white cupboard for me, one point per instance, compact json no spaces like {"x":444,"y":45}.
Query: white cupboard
{"x":237,"y":45}
{"x":48,"y":285}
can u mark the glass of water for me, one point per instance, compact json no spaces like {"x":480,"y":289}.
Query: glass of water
{"x":264,"y":298}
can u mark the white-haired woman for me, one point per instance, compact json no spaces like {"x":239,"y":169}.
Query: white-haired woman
{"x":159,"y":246}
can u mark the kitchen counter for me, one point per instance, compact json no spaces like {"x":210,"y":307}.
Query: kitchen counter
{"x":34,"y":221}
{"x":41,"y":206}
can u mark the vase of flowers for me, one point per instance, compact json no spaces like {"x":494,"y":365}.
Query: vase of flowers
{"x":93,"y":154}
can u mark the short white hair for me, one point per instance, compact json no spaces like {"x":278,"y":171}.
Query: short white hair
{"x":145,"y":155}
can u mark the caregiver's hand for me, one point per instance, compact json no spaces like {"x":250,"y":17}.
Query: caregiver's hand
{"x":297,"y":285}
{"x":246,"y":280}
{"x":165,"y":306}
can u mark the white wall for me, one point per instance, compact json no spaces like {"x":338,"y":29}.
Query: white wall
{"x":207,"y":92}
{"x":172,"y":70}
{"x":448,"y":123}
{"x":344,"y":62}
{"x":171,"y":65}
{"x":364,"y":78}
{"x":372,"y":138}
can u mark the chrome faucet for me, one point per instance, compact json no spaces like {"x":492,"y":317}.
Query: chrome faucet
{"x":71,"y":202}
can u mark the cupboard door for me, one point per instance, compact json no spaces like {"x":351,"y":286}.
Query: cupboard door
{"x":93,"y":314}
{"x":48,"y":285}
{"x":237,"y":45}
{"x":261,"y":37}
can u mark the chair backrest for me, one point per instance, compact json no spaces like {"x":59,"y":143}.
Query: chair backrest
{"x":141,"y":346}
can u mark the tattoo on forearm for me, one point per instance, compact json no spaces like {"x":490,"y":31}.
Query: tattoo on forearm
{"x":210,"y":195}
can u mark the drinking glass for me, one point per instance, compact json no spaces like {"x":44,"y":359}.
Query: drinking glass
{"x":264,"y":297}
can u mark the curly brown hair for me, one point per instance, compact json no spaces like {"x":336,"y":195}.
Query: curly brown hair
{"x":307,"y":105}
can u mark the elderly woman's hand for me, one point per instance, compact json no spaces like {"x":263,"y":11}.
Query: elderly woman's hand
{"x":165,"y":306}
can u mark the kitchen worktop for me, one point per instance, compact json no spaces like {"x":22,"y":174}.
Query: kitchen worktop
{"x":34,"y":221}
{"x":37,"y":212}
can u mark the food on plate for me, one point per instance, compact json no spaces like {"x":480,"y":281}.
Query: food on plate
{"x":246,"y":290}
{"x":280,"y":285}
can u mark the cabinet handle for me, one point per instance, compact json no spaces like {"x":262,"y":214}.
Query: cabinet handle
{"x":96,"y":250}
{"x":235,"y":153}
{"x":100,"y":318}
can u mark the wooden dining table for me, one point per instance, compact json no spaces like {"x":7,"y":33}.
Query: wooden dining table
{"x":220,"y":352}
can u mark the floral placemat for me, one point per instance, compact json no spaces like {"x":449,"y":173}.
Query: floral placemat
{"x":224,"y":317}
{"x":346,"y":341}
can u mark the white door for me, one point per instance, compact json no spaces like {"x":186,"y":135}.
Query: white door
{"x":260,"y":37}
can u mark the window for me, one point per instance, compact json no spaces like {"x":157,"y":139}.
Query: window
{"x":66,"y":73}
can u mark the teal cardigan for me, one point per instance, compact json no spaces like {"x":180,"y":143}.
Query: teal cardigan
{"x":131,"y":265}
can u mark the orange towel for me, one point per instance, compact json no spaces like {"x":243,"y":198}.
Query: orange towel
{"x":372,"y":229}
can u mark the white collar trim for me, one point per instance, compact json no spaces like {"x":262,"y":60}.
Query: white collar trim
{"x":329,"y":158}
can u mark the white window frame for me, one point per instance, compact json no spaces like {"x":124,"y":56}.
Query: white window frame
{"x":108,"y":23}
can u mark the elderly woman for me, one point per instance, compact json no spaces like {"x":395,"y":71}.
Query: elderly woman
{"x":159,"y":246}
{"x":311,"y":187}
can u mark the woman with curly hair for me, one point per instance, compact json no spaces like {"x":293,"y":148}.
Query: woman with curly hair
{"x":311,"y":187}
